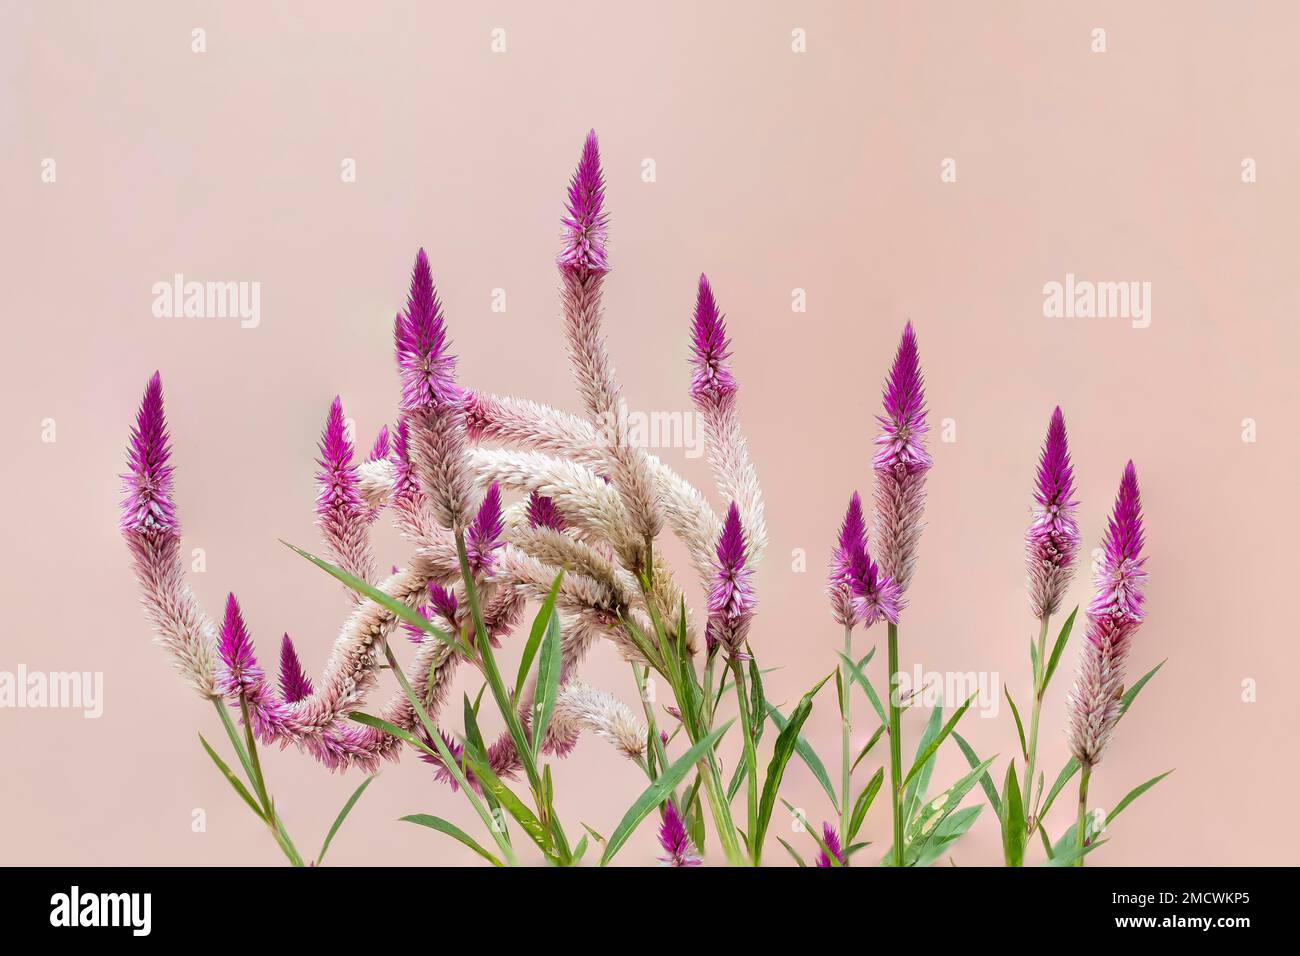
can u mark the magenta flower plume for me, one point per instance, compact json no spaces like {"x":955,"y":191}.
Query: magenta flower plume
{"x":1052,"y":541}
{"x":731,"y":600}
{"x":832,"y":841}
{"x":901,"y":462}
{"x":432,"y":400}
{"x":341,"y":514}
{"x":853,"y":536}
{"x":1113,"y":616}
{"x":148,"y":506}
{"x":382,"y":447}
{"x":426,"y":366}
{"x":586,"y":221}
{"x":444,"y":600}
{"x":875,"y":595}
{"x":485,"y":533}
{"x":239,"y":672}
{"x":294,"y":682}
{"x":675,"y":841}
{"x":712,"y":384}
{"x":542,"y":513}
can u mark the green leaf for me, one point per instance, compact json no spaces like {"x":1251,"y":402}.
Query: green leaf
{"x":931,"y":815}
{"x":233,"y":780}
{"x":1134,"y":794}
{"x":914,"y":793}
{"x":758,"y":700}
{"x":549,"y":666}
{"x":385,"y":601}
{"x":1067,"y":857}
{"x":509,"y":801}
{"x":809,"y":756}
{"x":343,"y":815}
{"x":986,"y":782}
{"x":1020,"y":728}
{"x":791,"y":850}
{"x":948,"y":832}
{"x":596,"y":836}
{"x":657,"y":792}
{"x":1131,"y":694}
{"x":867,"y":748}
{"x":932,"y":746}
{"x":1033,"y":655}
{"x":453,"y":831}
{"x":863,"y":804}
{"x":1057,"y":648}
{"x":860,"y":678}
{"x":782,"y":750}
{"x":831,"y":858}
{"x":1012,"y":820}
{"x":580,"y":850}
{"x":540,"y":623}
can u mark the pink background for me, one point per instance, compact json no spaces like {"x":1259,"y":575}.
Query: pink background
{"x":775,"y":170}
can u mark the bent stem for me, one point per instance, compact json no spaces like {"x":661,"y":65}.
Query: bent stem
{"x":1081,"y":827}
{"x":1040,"y":672}
{"x":895,"y":747}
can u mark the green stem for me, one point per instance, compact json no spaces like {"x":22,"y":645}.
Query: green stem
{"x":1081,"y":828}
{"x":751,"y":760}
{"x":895,"y":747}
{"x":259,"y":785}
{"x":1040,"y":671}
{"x":656,"y":742}
{"x":846,"y":735}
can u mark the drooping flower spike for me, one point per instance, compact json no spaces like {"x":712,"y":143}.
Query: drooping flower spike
{"x":900,"y":463}
{"x":731,"y":602}
{"x":1052,"y":540}
{"x":1113,"y":616}
{"x":678,"y":848}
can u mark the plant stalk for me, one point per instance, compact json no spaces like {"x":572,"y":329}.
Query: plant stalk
{"x":846,"y":735}
{"x":1040,"y":671}
{"x":751,"y":759}
{"x":1081,"y":827}
{"x":895,"y":747}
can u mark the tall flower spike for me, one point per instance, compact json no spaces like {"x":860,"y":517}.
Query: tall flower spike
{"x":341,"y":514}
{"x":731,"y":601}
{"x":1052,"y":540}
{"x":875,"y":595}
{"x":432,"y":401}
{"x":294,"y":682}
{"x":853,"y":537}
{"x":542,"y":513}
{"x":240,"y":673}
{"x":901,"y":462}
{"x":382,"y":446}
{"x":1113,"y":616}
{"x":832,"y":841}
{"x":485,"y":533}
{"x":586,"y":221}
{"x":153,"y":535}
{"x":713,"y":389}
{"x":675,"y":841}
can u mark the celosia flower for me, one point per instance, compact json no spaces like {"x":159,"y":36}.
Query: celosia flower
{"x":875,"y":596}
{"x":341,"y":514}
{"x":859,"y":592}
{"x":148,"y":505}
{"x":380,"y":449}
{"x":431,"y":400}
{"x":585,"y":224}
{"x":832,"y":841}
{"x":485,"y":533}
{"x":713,"y":389}
{"x":239,"y":673}
{"x":901,"y":462}
{"x":675,"y":841}
{"x":1113,"y":616}
{"x":1052,"y":540}
{"x":731,"y":601}
{"x":294,"y":682}
{"x":542,"y":513}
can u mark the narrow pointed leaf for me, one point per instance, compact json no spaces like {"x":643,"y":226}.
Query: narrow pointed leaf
{"x":453,"y":831}
{"x":343,"y":815}
{"x":535,"y":635}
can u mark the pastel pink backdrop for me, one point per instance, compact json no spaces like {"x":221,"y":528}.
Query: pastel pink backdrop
{"x":775,"y":171}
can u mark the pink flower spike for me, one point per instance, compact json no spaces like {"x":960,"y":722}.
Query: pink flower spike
{"x":148,"y":505}
{"x":239,"y":673}
{"x":542,"y":513}
{"x":294,"y":682}
{"x":485,"y":533}
{"x":341,"y":514}
{"x":676,"y":842}
{"x":426,"y":366}
{"x":713,"y":387}
{"x":731,"y":601}
{"x":1052,"y":540}
{"x":586,"y":222}
{"x":382,"y":446}
{"x":832,"y":841}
